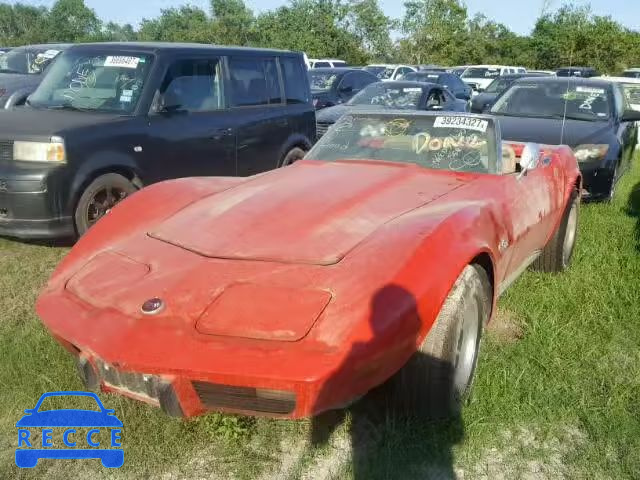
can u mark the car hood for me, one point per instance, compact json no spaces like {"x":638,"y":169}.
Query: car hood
{"x":69,"y":418}
{"x":311,"y":213}
{"x":550,"y":131}
{"x":33,"y":124}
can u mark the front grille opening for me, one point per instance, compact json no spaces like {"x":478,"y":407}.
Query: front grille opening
{"x":249,"y":399}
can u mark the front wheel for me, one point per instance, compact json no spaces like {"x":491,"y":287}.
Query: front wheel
{"x":99,"y":198}
{"x":557,"y":254}
{"x":437,"y":379}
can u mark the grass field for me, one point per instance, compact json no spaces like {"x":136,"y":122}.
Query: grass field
{"x":557,"y":393}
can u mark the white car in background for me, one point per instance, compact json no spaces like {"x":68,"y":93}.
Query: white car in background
{"x":479,"y":77}
{"x":387,"y":72}
{"x":326,"y":62}
{"x":631,"y":87}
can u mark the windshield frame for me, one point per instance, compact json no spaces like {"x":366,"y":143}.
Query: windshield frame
{"x":143,"y":103}
{"x":571,"y":85}
{"x":495,"y":138}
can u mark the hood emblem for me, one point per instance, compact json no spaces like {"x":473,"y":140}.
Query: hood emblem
{"x":152,"y":306}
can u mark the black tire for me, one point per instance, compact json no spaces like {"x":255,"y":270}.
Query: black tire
{"x":98,"y":198}
{"x":293,"y":156}
{"x":555,"y":258}
{"x":437,"y":380}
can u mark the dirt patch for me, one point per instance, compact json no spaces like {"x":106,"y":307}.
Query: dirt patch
{"x":506,"y":327}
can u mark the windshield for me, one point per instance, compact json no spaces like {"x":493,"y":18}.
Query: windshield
{"x":389,"y":96}
{"x":97,"y":82}
{"x":499,"y":85}
{"x":554,"y":100}
{"x":322,"y":81}
{"x":421,"y":77}
{"x":382,"y":72}
{"x":631,"y":74}
{"x":443,"y":142}
{"x":27,"y":61}
{"x":481,"y":73}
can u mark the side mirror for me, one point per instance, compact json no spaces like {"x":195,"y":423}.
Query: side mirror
{"x":631,"y":116}
{"x":529,"y":158}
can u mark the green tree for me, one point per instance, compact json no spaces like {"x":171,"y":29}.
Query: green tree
{"x":369,"y":24}
{"x":72,"y":21}
{"x":233,"y":22}
{"x":183,"y":24}
{"x":114,"y":32}
{"x":22,"y":24}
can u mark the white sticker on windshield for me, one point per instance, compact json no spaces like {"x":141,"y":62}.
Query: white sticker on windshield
{"x":463,"y":123}
{"x":596,"y":91}
{"x":51,"y":53}
{"x":122,"y":62}
{"x":413,"y":89}
{"x":126,"y":96}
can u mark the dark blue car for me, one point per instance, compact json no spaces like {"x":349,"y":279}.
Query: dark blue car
{"x":28,"y":452}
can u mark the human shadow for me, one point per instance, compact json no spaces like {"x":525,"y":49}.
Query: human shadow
{"x":387,"y":441}
{"x":633,"y":210}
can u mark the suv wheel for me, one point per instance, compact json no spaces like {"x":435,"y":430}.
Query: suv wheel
{"x":293,"y":156}
{"x":99,"y":198}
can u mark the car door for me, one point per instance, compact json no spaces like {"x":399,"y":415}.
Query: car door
{"x":189,"y":133}
{"x":626,"y":131}
{"x":258,"y":112}
{"x":532,"y":207}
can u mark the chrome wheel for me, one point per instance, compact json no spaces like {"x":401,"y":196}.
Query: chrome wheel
{"x":467,"y":348}
{"x":102,"y":203}
{"x":570,"y":235}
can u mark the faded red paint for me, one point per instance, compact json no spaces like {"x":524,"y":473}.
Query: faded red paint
{"x":268,"y":280}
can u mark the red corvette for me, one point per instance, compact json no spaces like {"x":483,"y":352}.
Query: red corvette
{"x":378,"y":257}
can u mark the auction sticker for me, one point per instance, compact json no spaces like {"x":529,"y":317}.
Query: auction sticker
{"x":463,"y":123}
{"x":122,"y":62}
{"x":596,"y":91}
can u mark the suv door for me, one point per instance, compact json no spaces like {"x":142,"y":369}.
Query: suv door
{"x":189,"y":132}
{"x":258,"y":113}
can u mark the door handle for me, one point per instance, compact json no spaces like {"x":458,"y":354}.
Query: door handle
{"x":222,"y":132}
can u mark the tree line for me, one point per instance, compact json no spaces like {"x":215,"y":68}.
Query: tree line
{"x":358,"y":31}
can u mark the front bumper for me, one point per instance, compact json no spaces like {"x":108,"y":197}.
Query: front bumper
{"x":596,"y":181}
{"x":29,"y":208}
{"x":191,"y":374}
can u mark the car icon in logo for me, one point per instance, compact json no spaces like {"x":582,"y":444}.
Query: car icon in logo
{"x":62,"y":434}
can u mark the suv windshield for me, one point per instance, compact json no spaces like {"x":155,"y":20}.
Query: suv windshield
{"x":555,"y":100}
{"x":100,"y":82}
{"x":322,"y":81}
{"x":481,"y":73}
{"x":382,"y":72}
{"x":27,"y":60}
{"x":441,"y":142}
{"x":388,"y":96}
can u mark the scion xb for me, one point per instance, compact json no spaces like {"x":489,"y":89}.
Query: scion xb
{"x":110,"y":118}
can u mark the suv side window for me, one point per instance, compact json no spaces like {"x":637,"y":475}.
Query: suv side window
{"x":254,"y":82}
{"x":347,"y":82}
{"x":620,"y":101}
{"x":193,"y":85}
{"x":362,"y":80}
{"x":295,"y":80}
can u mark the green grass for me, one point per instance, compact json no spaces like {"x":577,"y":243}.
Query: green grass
{"x":562,"y":401}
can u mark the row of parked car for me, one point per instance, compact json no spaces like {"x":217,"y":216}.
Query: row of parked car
{"x":107,"y":119}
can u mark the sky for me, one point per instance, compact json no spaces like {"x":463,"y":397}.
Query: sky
{"x":518,"y":15}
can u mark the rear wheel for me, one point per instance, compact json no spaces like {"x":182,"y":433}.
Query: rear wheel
{"x":99,"y":198}
{"x":293,"y":156}
{"x":437,"y":379}
{"x":556,"y":256}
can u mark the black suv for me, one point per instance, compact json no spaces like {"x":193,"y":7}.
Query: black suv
{"x":109,"y":118}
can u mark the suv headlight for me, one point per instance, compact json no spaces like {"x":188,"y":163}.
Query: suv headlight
{"x":52,"y":151}
{"x":590,"y":152}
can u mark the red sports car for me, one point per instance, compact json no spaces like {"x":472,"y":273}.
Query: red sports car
{"x":378,"y":257}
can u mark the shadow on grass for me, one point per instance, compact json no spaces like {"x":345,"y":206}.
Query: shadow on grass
{"x":53,"y":242}
{"x":633,"y":210}
{"x":393,"y":430}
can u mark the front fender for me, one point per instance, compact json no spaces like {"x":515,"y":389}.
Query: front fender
{"x":137,"y":214}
